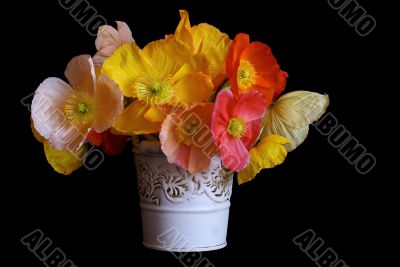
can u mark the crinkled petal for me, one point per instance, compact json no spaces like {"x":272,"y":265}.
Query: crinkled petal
{"x":183,"y":32}
{"x":124,"y":66}
{"x":166,"y":57}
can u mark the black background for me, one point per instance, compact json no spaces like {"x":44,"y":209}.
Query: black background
{"x":94,"y":217}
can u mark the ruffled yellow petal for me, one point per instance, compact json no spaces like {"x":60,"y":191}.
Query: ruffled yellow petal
{"x":193,"y":88}
{"x":205,"y":40}
{"x":210,"y":41}
{"x":64,"y":162}
{"x":183,"y":32}
{"x":166,"y":58}
{"x":132,"y":120}
{"x":268,"y":153}
{"x":124,"y":66}
{"x":154,"y":114}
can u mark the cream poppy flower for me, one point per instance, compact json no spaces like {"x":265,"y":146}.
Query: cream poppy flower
{"x":64,"y":113}
{"x":291,"y":115}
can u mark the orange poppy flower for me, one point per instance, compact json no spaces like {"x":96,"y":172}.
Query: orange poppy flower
{"x":252,"y":67}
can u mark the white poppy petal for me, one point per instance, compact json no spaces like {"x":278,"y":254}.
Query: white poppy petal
{"x":48,"y":114}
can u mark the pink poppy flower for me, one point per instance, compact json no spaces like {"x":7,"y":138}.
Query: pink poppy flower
{"x":186,"y":137}
{"x":64,"y":113}
{"x":235,"y":126}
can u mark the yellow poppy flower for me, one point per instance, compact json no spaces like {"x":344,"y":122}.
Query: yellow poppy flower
{"x":268,"y":153}
{"x":163,"y":73}
{"x":206,"y":40}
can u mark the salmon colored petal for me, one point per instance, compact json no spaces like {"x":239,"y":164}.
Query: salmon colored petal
{"x":154,"y":114}
{"x":81,"y":74}
{"x":108,"y":40}
{"x":250,"y":106}
{"x":109,"y":103}
{"x":64,"y":162}
{"x":198,"y":160}
{"x":183,"y":32}
{"x":194,"y":88}
{"x":125,"y":33}
{"x":182,"y":156}
{"x":168,"y":139}
{"x":223,"y":109}
{"x":132,"y":121}
{"x":234,"y":154}
{"x":124,"y":66}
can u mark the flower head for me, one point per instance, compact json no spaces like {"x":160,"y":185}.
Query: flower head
{"x":252,"y":67}
{"x":236,"y":125}
{"x":186,"y":137}
{"x":163,"y":73}
{"x":64,"y":113}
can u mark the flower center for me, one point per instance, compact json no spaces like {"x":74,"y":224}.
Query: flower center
{"x":186,"y":132}
{"x":79,"y":108}
{"x":154,"y":92}
{"x":237,"y":127}
{"x":246,"y":75}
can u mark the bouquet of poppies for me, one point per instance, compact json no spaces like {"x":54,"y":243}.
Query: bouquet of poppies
{"x":196,"y":93}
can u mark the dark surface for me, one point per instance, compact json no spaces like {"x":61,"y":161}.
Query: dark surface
{"x":94,"y":217}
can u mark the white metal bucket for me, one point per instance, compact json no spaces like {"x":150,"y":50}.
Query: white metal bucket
{"x":183,"y":211}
